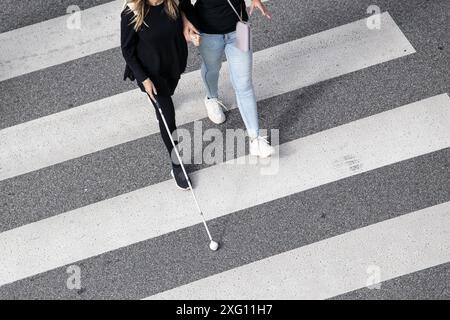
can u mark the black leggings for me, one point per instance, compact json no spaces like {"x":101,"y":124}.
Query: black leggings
{"x":168,"y":110}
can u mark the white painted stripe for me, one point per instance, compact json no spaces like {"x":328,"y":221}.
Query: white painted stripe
{"x":337,"y":265}
{"x":51,"y":42}
{"x":125,"y":117}
{"x":321,"y":158}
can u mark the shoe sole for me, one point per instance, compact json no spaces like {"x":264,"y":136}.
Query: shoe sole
{"x":262,"y":157}
{"x":173,"y":176}
{"x":217,"y":122}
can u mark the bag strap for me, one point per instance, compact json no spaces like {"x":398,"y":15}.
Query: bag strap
{"x":235,"y":11}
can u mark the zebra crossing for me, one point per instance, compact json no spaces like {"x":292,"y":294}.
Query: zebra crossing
{"x":128,"y":243}
{"x":134,"y":217}
{"x":125,"y":117}
{"x":332,"y":266}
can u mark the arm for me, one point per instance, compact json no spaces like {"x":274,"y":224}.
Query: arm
{"x":188,"y":11}
{"x":128,"y":41}
{"x":189,"y":19}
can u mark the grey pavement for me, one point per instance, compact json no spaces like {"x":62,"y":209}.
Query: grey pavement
{"x":165,"y":262}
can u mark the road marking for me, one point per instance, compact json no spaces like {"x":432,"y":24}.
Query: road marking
{"x":327,"y":268}
{"x":376,"y":141}
{"x":51,"y":42}
{"x":126,"y":117}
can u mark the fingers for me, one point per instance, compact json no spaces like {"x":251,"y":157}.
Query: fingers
{"x":194,"y":29}
{"x":152,"y":96}
{"x":188,"y":31}
{"x":152,"y":93}
{"x":265,"y":12}
{"x":261,"y":7}
{"x":188,"y":28}
{"x":195,"y":39}
{"x":150,"y":88}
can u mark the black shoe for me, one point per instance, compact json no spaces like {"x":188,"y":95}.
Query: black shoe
{"x":180,"y":179}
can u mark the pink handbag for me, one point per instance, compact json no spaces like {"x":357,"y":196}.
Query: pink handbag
{"x":243,"y":32}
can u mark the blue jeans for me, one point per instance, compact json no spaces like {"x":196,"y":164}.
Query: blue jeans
{"x":240,"y":64}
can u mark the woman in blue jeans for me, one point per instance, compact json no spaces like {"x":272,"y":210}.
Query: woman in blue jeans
{"x":215,"y":21}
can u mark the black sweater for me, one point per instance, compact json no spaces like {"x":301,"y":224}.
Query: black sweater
{"x":158,"y":51}
{"x":214,"y":16}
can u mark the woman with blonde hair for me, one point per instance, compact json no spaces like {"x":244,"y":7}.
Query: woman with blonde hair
{"x":155,"y":52}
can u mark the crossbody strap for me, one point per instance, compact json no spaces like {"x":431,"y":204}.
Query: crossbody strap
{"x":235,"y":11}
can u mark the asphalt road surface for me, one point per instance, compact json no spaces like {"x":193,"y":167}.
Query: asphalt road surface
{"x":356,"y":204}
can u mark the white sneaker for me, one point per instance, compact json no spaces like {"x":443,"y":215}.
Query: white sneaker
{"x":260,"y":147}
{"x":214,"y":107}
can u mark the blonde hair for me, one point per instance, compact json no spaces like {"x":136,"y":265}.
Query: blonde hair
{"x":138,"y":8}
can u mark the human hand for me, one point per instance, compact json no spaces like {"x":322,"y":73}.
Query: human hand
{"x":150,"y":89}
{"x":257,"y":4}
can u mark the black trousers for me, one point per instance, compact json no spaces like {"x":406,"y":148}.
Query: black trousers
{"x":168,"y":111}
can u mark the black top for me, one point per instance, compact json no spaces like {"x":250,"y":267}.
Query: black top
{"x":214,"y":16}
{"x":158,"y":51}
